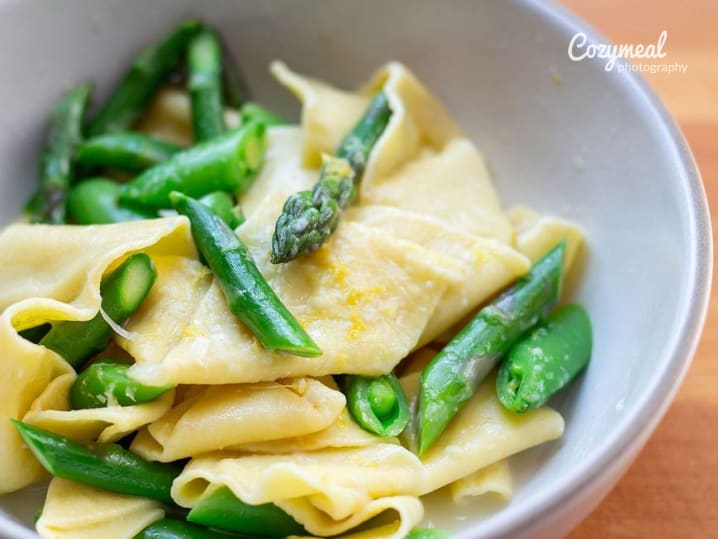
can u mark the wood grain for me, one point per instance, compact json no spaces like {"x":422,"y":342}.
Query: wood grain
{"x":672,"y":489}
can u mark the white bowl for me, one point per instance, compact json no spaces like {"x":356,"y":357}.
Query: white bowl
{"x":565,"y":137}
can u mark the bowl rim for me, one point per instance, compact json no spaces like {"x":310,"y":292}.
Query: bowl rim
{"x":682,"y":343}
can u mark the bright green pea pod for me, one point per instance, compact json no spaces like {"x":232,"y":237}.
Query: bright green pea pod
{"x":254,"y":112}
{"x":105,"y":466}
{"x":96,"y":202}
{"x":221,"y":509}
{"x":378,"y":404}
{"x":122,"y":291}
{"x":168,"y":528}
{"x":546,"y":360}
{"x":223,"y":205}
{"x":130,"y":152}
{"x":428,"y":533}
{"x":106,"y":382}
{"x":227,"y":162}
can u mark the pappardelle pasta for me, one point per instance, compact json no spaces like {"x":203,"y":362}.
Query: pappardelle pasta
{"x":218,"y":323}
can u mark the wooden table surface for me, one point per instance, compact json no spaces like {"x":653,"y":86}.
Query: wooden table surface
{"x":671,"y":491}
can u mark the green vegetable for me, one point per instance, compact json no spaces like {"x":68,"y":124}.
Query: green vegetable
{"x":96,"y":201}
{"x":122,"y":291}
{"x":36,"y":333}
{"x":225,"y":163}
{"x":378,"y":404}
{"x":168,"y":528}
{"x":546,"y":360}
{"x":63,"y":135}
{"x":254,"y":112}
{"x":130,"y":152}
{"x":105,"y":466}
{"x":452,"y":377}
{"x":223,"y":205}
{"x":221,"y":509}
{"x":248,"y":294}
{"x":310,"y":217}
{"x":148,"y":71}
{"x":236,"y":92}
{"x":106,"y":382}
{"x":205,"y":85}
{"x":428,"y":533}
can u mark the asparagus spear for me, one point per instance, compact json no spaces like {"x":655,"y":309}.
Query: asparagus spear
{"x":235,"y":88}
{"x":225,"y":163}
{"x":452,"y":377}
{"x":258,"y":113}
{"x":205,"y":85}
{"x":105,"y":466}
{"x":106,"y":382}
{"x":169,"y":528}
{"x":96,"y":201}
{"x":378,"y":404}
{"x":221,"y":509}
{"x":64,"y":133}
{"x":140,"y":83}
{"x":428,"y":533}
{"x":310,"y":217}
{"x":248,"y":294}
{"x":223,"y":205}
{"x":130,"y":152}
{"x":546,"y":360}
{"x":123,"y":291}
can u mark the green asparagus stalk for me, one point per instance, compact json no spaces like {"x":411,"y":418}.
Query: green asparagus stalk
{"x":546,"y":360}
{"x":223,"y":205}
{"x":310,"y":217}
{"x":129,"y":152}
{"x":63,"y":135}
{"x":205,"y":85}
{"x":168,"y":528}
{"x":123,"y":291}
{"x":235,"y":88}
{"x":451,"y":378}
{"x":225,"y":163}
{"x":378,"y":404}
{"x":105,"y":466}
{"x":35,"y":333}
{"x":106,"y":382}
{"x":96,"y":201}
{"x":428,"y":533}
{"x":221,"y":509}
{"x":254,"y":112}
{"x":148,"y":71}
{"x":249,"y":296}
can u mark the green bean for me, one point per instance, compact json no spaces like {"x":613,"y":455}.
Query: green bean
{"x":129,"y":152}
{"x":107,"y":382}
{"x":168,"y":528}
{"x":228,"y":162}
{"x":223,"y":205}
{"x":546,"y":360}
{"x":63,"y":135}
{"x":106,"y":466}
{"x":249,"y":296}
{"x":221,"y":509}
{"x":205,"y":85}
{"x":451,"y":378}
{"x":148,"y":71}
{"x":122,"y":291}
{"x":378,"y":404}
{"x":95,"y":201}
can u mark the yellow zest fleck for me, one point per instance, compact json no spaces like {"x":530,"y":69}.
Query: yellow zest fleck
{"x":193,"y":331}
{"x":358,"y":326}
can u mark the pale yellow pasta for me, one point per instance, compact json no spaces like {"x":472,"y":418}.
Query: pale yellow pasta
{"x":327,"y":491}
{"x":225,"y":416}
{"x":52,"y":411}
{"x":53,"y":273}
{"x":75,"y":511}
{"x":493,"y":479}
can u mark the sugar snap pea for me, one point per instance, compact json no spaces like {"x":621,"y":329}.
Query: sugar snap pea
{"x":378,"y":404}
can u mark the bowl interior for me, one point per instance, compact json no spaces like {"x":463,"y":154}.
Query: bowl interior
{"x":564,"y":137}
